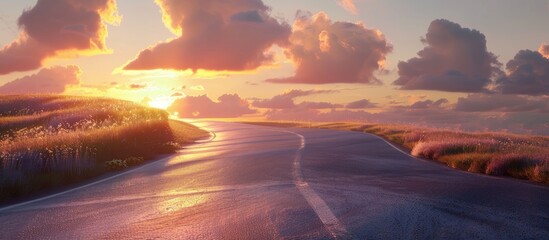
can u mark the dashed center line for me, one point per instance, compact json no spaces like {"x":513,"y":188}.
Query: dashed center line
{"x":330,"y":221}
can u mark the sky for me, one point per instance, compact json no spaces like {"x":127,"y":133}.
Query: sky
{"x":471,"y":65}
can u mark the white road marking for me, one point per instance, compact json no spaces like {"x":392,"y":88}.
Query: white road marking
{"x":322,"y":210}
{"x":393,"y":146}
{"x":212,"y":137}
{"x":82,"y":187}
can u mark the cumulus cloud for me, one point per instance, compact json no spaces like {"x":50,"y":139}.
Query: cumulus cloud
{"x":455,"y":59}
{"x":286,"y":100}
{"x":52,"y":80}
{"x":348,"y":5}
{"x":334,"y":52}
{"x":226,"y":106}
{"x":501,"y":103}
{"x":364,"y":103}
{"x":214,"y":35}
{"x":58,"y":27}
{"x":528,"y":73}
{"x":544,"y":50}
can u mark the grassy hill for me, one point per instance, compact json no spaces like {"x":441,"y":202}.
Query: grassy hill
{"x":51,"y":141}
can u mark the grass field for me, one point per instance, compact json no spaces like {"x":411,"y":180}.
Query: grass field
{"x":492,"y":153}
{"x":51,"y":141}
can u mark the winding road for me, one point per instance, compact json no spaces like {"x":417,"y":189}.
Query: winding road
{"x":255,"y":182}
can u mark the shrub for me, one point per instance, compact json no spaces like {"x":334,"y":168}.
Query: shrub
{"x":516,"y":165}
{"x":541,"y":172}
{"x":133,"y":161}
{"x":116,"y":165}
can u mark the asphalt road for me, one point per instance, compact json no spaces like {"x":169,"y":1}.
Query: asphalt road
{"x":254,"y":182}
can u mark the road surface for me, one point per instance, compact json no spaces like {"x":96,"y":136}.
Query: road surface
{"x":254,"y":182}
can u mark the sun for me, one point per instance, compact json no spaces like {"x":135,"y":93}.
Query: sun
{"x":161,"y":103}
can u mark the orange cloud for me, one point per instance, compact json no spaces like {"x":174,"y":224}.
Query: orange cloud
{"x":348,"y":5}
{"x":46,"y":81}
{"x":334,"y":52}
{"x":58,"y":28}
{"x":137,"y":86}
{"x":544,"y":50}
{"x":286,"y":100}
{"x":227,"y":106}
{"x":214,"y":35}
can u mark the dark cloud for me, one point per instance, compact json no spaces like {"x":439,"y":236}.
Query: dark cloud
{"x":455,"y":60}
{"x":177,"y":94}
{"x":528,"y":73}
{"x":501,"y":103}
{"x":286,"y":100}
{"x":214,"y":35}
{"x":52,"y":80}
{"x":227,"y":106}
{"x":364,"y":103}
{"x":54,"y":27}
{"x":429,"y":104}
{"x":334,"y":52}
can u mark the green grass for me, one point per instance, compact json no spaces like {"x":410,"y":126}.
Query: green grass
{"x":492,"y":153}
{"x":52,"y":141}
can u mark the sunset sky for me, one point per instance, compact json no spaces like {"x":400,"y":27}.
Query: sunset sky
{"x":473,"y":65}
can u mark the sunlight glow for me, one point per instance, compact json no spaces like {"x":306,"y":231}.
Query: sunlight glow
{"x":161,"y":103}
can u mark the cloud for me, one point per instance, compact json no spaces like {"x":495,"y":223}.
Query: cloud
{"x":308,"y":115}
{"x":227,"y":106}
{"x":286,"y":100}
{"x":137,"y":86}
{"x":214,"y":35}
{"x":426,"y":104}
{"x":334,"y":52}
{"x":197,"y":88}
{"x":476,"y":112}
{"x":318,"y":105}
{"x":519,"y":122}
{"x":348,"y":5}
{"x":544,"y":50}
{"x":364,"y":103}
{"x":501,"y":103}
{"x":58,"y":28}
{"x":52,"y":80}
{"x":528,"y":73}
{"x":455,"y":60}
